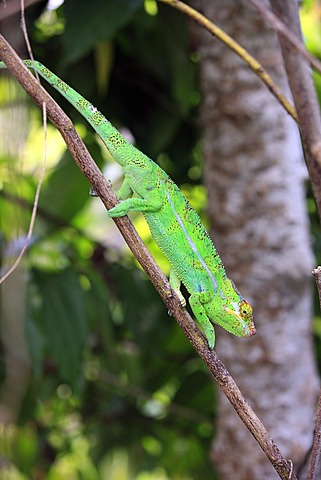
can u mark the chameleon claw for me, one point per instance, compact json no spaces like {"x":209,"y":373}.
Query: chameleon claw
{"x":92,"y":192}
{"x":169,"y":293}
{"x":181,"y":298}
{"x":182,"y":302}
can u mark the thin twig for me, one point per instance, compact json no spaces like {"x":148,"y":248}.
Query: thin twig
{"x":257,"y":68}
{"x":304,"y":95}
{"x":280,"y":27}
{"x":103,"y":189}
{"x":35,"y":203}
{"x":43,"y":168}
{"x":316,"y":448}
{"x":314,"y":463}
{"x":26,"y":36}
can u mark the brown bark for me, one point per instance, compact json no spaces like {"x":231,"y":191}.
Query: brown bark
{"x":255,"y":175}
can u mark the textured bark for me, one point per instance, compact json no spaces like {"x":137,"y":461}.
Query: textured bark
{"x":255,"y":175}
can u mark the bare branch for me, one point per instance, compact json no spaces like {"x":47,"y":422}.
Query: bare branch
{"x":316,"y":448}
{"x":304,"y":95}
{"x":35,"y":203}
{"x":286,"y":32}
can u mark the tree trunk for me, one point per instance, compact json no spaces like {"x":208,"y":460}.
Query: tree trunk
{"x":255,"y":173}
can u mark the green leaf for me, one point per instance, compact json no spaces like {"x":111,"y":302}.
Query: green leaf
{"x":64,"y":318}
{"x":36,"y":343}
{"x":183,"y":72}
{"x":67,"y":190}
{"x":84,"y":26}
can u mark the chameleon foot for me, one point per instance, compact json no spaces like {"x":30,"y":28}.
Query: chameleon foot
{"x":92,"y":192}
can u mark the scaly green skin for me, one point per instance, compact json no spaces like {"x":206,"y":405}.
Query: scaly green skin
{"x":175,"y":226}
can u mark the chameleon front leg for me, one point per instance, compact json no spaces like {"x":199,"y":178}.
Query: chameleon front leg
{"x":127,"y":202}
{"x":196,"y":301}
{"x":125,"y":191}
{"x":149,"y":201}
{"x":135,"y":204}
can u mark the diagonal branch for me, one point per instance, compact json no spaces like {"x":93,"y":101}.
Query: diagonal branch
{"x":88,"y":167}
{"x":304,"y":95}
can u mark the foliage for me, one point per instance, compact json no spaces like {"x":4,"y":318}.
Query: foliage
{"x":116,"y":391}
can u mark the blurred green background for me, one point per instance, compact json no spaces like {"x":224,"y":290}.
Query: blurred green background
{"x":112,"y":387}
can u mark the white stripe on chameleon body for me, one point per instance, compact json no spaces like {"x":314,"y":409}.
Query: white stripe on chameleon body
{"x":190,"y":241}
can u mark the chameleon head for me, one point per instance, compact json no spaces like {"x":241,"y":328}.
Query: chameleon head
{"x":239,"y":319}
{"x":233,"y":314}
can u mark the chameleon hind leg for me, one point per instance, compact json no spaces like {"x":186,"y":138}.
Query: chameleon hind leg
{"x":196,"y":301}
{"x":125,"y":191}
{"x":175,"y":284}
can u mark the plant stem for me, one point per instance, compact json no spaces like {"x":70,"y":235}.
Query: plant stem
{"x":257,"y":68}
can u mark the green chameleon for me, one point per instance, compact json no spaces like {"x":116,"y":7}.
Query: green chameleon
{"x":174,"y":225}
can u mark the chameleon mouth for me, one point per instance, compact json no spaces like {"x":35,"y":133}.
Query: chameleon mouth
{"x":252,"y":330}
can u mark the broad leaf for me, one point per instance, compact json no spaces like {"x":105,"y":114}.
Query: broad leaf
{"x":84,"y":27}
{"x":64,"y":318}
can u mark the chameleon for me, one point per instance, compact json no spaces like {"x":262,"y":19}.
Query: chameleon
{"x":173,"y":223}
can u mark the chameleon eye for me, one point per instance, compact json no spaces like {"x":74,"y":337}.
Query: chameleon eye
{"x":245,"y":308}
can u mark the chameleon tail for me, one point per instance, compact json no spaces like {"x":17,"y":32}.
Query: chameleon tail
{"x":117,"y":145}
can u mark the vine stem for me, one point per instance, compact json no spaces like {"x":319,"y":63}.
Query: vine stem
{"x":89,"y":168}
{"x":254,"y":64}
